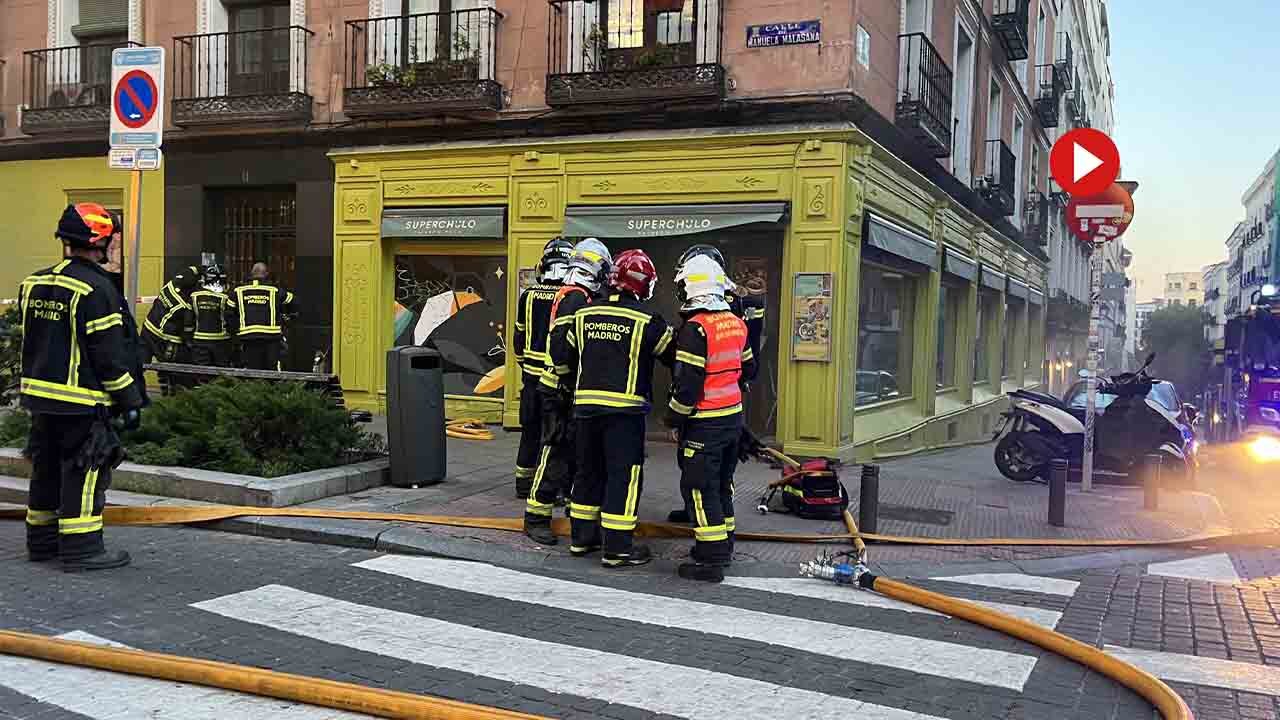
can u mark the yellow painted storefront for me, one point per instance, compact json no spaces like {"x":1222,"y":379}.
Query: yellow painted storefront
{"x":33,"y":194}
{"x":829,"y":176}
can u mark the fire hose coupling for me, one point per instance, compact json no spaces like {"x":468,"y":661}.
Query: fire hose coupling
{"x":840,"y":573}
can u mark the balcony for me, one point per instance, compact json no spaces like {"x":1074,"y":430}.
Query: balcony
{"x":428,"y":64}
{"x":233,"y":78}
{"x":1035,"y":228}
{"x":1048,"y":95}
{"x":633,"y":51}
{"x":1011,"y":19}
{"x":1057,"y":196}
{"x":67,"y":89}
{"x":1064,"y":60}
{"x":924,"y":101}
{"x":996,"y":187}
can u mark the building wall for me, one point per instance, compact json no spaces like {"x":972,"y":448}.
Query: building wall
{"x":1185,"y":288}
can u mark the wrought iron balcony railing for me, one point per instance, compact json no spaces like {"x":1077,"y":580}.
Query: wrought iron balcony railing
{"x":423,"y":64}
{"x":997,"y":185}
{"x":239,"y":77}
{"x":1064,"y":60}
{"x":1057,"y":196}
{"x":633,"y":51}
{"x":1035,"y":227}
{"x":924,"y":94}
{"x":1010,"y":19}
{"x":1048,"y":95}
{"x":67,"y":89}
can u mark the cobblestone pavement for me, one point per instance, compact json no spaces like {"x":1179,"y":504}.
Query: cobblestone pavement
{"x":588,"y":643}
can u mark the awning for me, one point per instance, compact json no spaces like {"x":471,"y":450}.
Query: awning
{"x":961,"y":266}
{"x":897,"y":240}
{"x":446,"y":222}
{"x":1036,"y":298}
{"x":640,"y":221}
{"x":993,"y":279}
{"x":1018,"y":289}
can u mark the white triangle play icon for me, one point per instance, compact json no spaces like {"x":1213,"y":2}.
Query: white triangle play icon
{"x":1083,"y":162}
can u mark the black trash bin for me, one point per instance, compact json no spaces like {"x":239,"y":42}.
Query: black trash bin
{"x":415,"y":416}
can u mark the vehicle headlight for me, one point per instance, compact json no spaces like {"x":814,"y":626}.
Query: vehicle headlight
{"x":1265,"y":449}
{"x":1269,"y":414}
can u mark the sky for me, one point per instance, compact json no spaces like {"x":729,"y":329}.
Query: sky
{"x":1196,"y":121}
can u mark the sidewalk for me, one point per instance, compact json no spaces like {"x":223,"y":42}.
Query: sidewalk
{"x":953,"y":494}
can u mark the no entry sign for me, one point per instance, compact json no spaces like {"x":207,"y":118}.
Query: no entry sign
{"x":137,"y":97}
{"x":1102,"y":217}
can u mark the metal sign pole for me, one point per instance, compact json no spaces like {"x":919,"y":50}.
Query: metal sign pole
{"x":1091,"y":409}
{"x":131,"y":280}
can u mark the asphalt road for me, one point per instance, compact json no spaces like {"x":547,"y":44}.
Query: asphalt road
{"x":631,"y":644}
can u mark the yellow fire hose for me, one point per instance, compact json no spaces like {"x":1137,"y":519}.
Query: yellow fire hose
{"x":468,"y":429}
{"x":254,"y":681}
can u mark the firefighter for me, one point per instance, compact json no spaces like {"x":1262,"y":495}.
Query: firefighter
{"x":77,"y":373}
{"x":260,"y":310}
{"x":533,"y":325}
{"x":169,"y":319}
{"x":712,"y":353}
{"x":611,"y":349}
{"x":213,"y":317}
{"x":588,"y":269}
{"x":751,"y":309}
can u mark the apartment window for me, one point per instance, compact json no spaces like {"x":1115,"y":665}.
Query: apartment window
{"x":951,"y":302}
{"x":1019,"y":167}
{"x":1041,"y":42}
{"x":886,"y":340}
{"x":259,"y":60}
{"x":1033,"y":179}
{"x":988,"y":306}
{"x":962,"y":92}
{"x":917,"y":17}
{"x":995,"y":110}
{"x":1193,"y":286}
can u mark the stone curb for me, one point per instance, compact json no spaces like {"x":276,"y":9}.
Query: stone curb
{"x":229,"y":489}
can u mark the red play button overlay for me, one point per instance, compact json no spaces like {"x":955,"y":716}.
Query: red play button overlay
{"x":1084,"y":162}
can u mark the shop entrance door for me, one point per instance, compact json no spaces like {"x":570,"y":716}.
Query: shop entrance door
{"x":452,"y":297}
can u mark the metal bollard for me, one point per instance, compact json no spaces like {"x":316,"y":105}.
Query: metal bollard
{"x":1151,"y":482}
{"x":869,"y":499}
{"x":1058,"y":492}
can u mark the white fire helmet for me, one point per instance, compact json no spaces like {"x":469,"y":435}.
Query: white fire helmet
{"x":703,"y":284}
{"x":589,"y":265}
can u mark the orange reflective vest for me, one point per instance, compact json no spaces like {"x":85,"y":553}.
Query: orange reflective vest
{"x":726,"y":337}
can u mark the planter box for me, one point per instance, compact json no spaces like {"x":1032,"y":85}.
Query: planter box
{"x":228,"y":489}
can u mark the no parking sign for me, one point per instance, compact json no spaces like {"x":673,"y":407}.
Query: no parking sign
{"x":137,"y":97}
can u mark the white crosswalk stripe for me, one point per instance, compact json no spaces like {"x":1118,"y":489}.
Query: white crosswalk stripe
{"x":1018,"y":581}
{"x":645,"y":684}
{"x":101,"y":694}
{"x":930,"y":657}
{"x":803,"y":587}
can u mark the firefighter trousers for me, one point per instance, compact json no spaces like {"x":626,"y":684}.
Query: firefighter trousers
{"x":557,"y":464}
{"x":69,"y":479}
{"x":606,"y":490}
{"x":708,"y":458}
{"x":260,"y":353}
{"x":211,"y":353}
{"x":527,"y":458}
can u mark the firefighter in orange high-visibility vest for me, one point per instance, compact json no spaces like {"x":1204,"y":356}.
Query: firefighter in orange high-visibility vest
{"x":712,"y":353}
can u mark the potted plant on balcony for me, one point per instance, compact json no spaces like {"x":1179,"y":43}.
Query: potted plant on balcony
{"x":453,"y":62}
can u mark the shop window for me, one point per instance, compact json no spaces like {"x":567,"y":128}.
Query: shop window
{"x":1013,"y":324}
{"x":886,"y":341}
{"x":988,"y":304}
{"x":951,"y":302}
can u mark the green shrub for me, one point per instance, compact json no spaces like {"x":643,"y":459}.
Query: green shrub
{"x":249,"y":428}
{"x":15,"y":426}
{"x":10,"y":352}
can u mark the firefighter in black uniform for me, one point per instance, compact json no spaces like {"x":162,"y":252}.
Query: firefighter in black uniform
{"x":711,"y":356}
{"x":751,"y":309}
{"x":611,"y":348}
{"x":533,"y":326}
{"x":589,"y":266}
{"x":214,"y":317}
{"x":78,"y":370}
{"x":169,"y":319}
{"x":260,"y":310}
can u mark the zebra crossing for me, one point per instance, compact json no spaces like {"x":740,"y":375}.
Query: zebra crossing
{"x":820,"y":651}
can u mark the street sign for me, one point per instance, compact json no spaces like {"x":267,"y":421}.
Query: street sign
{"x":122,"y":158}
{"x":137,"y":97}
{"x":1084,"y":162}
{"x":149,"y":158}
{"x":1101,"y":217}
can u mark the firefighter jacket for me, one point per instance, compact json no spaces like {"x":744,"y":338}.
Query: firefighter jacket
{"x":569,"y":299}
{"x":609,"y":354}
{"x":214,"y":316}
{"x":711,"y":355}
{"x":533,"y":328}
{"x":169,"y":316}
{"x":260,"y":308}
{"x":751,"y":309}
{"x":75,"y":356}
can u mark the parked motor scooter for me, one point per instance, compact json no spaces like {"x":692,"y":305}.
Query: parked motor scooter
{"x":1039,"y":428}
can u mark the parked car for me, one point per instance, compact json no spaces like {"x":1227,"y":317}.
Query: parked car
{"x":877,"y":386}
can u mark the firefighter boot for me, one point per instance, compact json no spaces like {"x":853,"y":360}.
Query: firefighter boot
{"x":42,"y":542}
{"x":105,"y":560}
{"x":701,"y":572}
{"x":539,"y":530}
{"x":637,"y":555}
{"x":523,"y":487}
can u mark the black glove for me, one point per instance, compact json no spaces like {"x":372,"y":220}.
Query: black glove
{"x":131,"y":419}
{"x":749,"y":446}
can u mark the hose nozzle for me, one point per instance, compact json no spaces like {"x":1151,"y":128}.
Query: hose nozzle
{"x":841,"y":573}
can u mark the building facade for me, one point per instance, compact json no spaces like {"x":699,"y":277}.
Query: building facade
{"x":877,"y":171}
{"x":1214,"y":282}
{"x":1185,"y":288}
{"x":1257,"y":233}
{"x":1141,"y":313}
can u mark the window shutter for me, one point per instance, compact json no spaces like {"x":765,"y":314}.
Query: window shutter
{"x":707,"y":32}
{"x":102,"y":17}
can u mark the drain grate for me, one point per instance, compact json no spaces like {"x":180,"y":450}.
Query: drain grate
{"x":906,"y":513}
